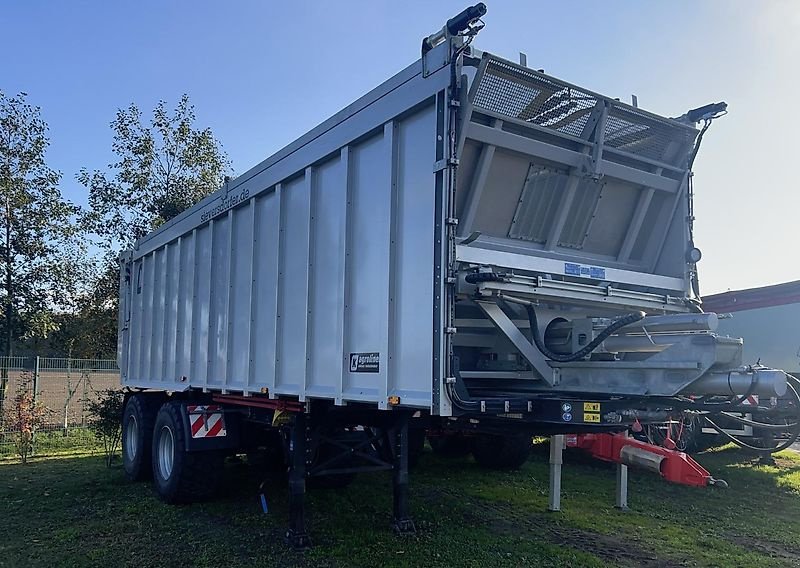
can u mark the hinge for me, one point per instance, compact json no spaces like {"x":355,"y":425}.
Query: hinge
{"x":444,"y":164}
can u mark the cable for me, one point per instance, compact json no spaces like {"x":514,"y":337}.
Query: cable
{"x":794,"y":429}
{"x":594,"y":344}
{"x":695,"y":277}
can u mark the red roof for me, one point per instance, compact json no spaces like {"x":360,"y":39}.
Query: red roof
{"x":753,"y":298}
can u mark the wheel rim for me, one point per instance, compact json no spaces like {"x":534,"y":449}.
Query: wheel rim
{"x":166,"y":452}
{"x":131,"y":437}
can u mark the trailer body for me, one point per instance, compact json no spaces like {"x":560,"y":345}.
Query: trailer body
{"x":310,"y":276}
{"x":383,"y":256}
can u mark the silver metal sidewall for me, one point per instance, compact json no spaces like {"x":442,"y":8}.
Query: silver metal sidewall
{"x":131,"y":437}
{"x":165,"y":454}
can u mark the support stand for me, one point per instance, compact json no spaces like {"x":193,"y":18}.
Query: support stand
{"x":296,"y":536}
{"x":556,"y":461}
{"x":401,"y":518}
{"x":622,"y":485}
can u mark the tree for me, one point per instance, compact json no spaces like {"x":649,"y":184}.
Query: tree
{"x":37,"y":226}
{"x":162,"y":168}
{"x":89,"y":331}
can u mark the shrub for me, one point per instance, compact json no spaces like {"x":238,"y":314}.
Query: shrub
{"x":24,"y":416}
{"x":105,"y":419}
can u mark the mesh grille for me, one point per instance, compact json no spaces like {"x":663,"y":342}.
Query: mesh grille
{"x":522,"y":94}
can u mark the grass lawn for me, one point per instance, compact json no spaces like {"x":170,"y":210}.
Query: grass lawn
{"x":72,"y":511}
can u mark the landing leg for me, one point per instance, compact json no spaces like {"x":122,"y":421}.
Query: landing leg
{"x":401,"y":518}
{"x":556,"y":459}
{"x":296,"y":536}
{"x":622,"y":486}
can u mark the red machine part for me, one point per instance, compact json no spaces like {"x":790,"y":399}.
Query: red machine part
{"x":259,"y":402}
{"x":672,"y":465}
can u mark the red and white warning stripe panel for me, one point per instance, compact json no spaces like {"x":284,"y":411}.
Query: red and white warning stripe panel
{"x":751,"y":400}
{"x":206,"y":421}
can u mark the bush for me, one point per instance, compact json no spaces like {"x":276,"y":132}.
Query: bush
{"x":24,"y":416}
{"x":105,"y":419}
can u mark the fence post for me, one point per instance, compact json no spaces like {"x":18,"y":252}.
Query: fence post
{"x":35,"y":399}
{"x":36,"y":379}
{"x":4,"y":367}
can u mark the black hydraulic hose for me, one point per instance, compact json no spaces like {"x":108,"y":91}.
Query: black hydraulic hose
{"x":457,"y":401}
{"x":584,"y":351}
{"x":795,"y":433}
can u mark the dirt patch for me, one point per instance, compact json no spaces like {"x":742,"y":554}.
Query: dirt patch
{"x":617,"y":551}
{"x":779,"y":550}
{"x":507,"y":520}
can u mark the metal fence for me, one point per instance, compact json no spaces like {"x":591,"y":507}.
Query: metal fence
{"x":64,"y":387}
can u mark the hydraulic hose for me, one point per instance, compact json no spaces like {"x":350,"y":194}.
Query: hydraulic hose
{"x":794,"y":428}
{"x":588,"y":348}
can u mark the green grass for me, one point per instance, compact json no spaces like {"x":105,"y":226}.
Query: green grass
{"x":75,"y":512}
{"x":54,"y":443}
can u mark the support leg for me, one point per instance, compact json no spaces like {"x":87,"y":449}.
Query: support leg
{"x":296,"y":536}
{"x":556,"y":460}
{"x":401,"y":518}
{"x":622,"y":486}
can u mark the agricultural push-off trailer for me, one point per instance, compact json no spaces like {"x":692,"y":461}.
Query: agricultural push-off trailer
{"x":473,"y":246}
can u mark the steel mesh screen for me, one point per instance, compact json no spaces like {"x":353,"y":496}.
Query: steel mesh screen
{"x":531,"y":97}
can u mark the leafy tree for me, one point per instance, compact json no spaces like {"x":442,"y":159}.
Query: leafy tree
{"x":162,"y":168}
{"x":37,"y":227}
{"x":90,"y":330}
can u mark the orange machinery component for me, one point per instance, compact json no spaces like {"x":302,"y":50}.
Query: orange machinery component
{"x":672,"y":465}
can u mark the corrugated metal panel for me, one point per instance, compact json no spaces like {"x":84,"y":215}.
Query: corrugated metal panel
{"x":276,"y":292}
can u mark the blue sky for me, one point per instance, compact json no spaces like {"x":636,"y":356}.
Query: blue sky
{"x":260,"y":74}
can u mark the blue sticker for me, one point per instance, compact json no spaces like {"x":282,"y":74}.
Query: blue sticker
{"x":595,"y":272}
{"x":566,"y":407}
{"x":566,"y":417}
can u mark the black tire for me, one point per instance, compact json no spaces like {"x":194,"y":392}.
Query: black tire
{"x":451,"y":445}
{"x":138,"y":420}
{"x":180,"y":476}
{"x":502,"y":452}
{"x":687,"y":436}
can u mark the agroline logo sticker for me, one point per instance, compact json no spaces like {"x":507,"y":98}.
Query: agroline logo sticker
{"x":365,"y":362}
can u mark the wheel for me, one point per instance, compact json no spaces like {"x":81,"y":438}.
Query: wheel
{"x":686,"y":434}
{"x":138,"y":420}
{"x":451,"y":445}
{"x":181,"y":476}
{"x":502,"y":452}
